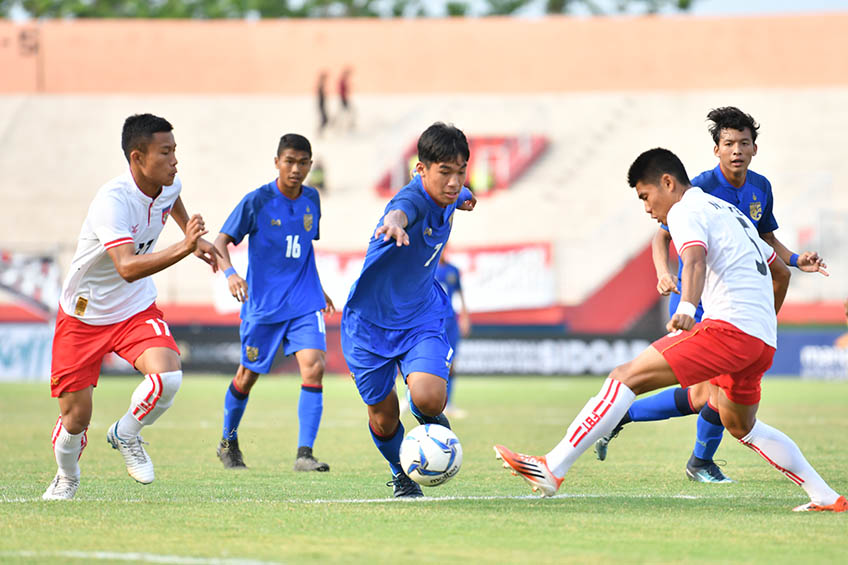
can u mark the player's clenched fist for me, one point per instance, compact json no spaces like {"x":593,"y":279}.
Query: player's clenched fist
{"x":195,"y":229}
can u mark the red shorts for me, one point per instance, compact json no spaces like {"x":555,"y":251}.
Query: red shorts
{"x":78,"y":348}
{"x":720,"y":352}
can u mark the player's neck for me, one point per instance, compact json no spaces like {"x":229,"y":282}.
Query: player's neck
{"x":736,"y":180}
{"x":291,"y":193}
{"x":148,"y":187}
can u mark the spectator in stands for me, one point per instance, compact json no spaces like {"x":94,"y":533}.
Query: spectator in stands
{"x":321,"y":99}
{"x":108,"y":303}
{"x":345,"y":117}
{"x":283,"y":301}
{"x":734,"y":134}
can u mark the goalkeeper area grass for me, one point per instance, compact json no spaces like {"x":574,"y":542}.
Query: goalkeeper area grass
{"x":637,"y":506}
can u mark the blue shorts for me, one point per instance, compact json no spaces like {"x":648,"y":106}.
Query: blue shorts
{"x":374,"y":354}
{"x":260,"y":342}
{"x":674,"y":300}
{"x":452,"y":331}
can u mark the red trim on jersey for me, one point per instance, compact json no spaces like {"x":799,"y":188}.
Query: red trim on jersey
{"x":117,"y":242}
{"x":789,"y":474}
{"x":689,"y":244}
{"x":772,"y":258}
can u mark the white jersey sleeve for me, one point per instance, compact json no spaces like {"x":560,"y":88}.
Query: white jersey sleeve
{"x":120,"y":214}
{"x":738,"y":286}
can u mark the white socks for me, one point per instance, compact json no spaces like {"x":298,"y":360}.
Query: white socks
{"x":598,"y":418}
{"x":68,"y":448}
{"x":781,"y":452}
{"x":150,"y":399}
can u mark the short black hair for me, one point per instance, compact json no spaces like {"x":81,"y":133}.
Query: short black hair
{"x":442,"y":143}
{"x":731,"y":117}
{"x":294,"y":141}
{"x":138,"y":131}
{"x":653,"y":164}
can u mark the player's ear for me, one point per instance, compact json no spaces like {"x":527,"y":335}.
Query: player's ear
{"x":755,"y":149}
{"x":137,"y":157}
{"x":715,"y":150}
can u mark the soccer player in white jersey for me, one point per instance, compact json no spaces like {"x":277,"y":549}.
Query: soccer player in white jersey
{"x":734,"y":274}
{"x":108,"y":302}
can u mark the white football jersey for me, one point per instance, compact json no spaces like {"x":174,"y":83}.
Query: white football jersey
{"x":738,"y":287}
{"x":120,"y":213}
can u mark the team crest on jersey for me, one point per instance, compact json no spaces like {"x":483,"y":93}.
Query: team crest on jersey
{"x":307,"y":221}
{"x":756,"y":210}
{"x":165,"y":213}
{"x":134,"y":229}
{"x":252,"y":353}
{"x":276,"y":222}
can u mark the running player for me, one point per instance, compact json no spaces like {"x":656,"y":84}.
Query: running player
{"x":394,"y":316}
{"x":108,"y":303}
{"x":728,"y":268}
{"x":456,"y":326}
{"x":735,"y":134}
{"x":283,"y":302}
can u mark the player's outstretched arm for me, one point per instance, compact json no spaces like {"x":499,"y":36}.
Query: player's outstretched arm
{"x":808,"y":261}
{"x":236,"y":284}
{"x":394,"y":227}
{"x":205,"y":250}
{"x":666,"y":280}
{"x":133,"y":267}
{"x":780,"y":280}
{"x":694,"y":274}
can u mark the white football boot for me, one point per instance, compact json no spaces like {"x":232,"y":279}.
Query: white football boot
{"x":61,"y":488}
{"x":139,"y":465}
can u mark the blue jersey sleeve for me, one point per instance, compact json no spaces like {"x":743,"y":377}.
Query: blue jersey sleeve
{"x":407,"y":202}
{"x":767,"y":223}
{"x":242,"y":219}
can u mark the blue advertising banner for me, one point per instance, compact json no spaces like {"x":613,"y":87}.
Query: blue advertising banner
{"x":810,"y":354}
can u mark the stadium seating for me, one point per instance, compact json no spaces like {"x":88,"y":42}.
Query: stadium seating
{"x":57,"y":149}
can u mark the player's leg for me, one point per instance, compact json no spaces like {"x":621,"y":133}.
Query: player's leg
{"x":647,"y":372}
{"x":780,"y":452}
{"x":426,"y":366}
{"x":78,"y":350}
{"x":259,"y":345}
{"x":709,"y":431}
{"x":145,"y":340}
{"x":306,"y":339}
{"x":670,"y":403}
{"x":310,"y":408}
{"x":69,"y":440}
{"x":235,"y":403}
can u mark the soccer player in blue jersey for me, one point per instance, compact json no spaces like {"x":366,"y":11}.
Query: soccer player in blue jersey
{"x":283,"y":302}
{"x":395,"y":312}
{"x":735,"y":134}
{"x":456,"y":326}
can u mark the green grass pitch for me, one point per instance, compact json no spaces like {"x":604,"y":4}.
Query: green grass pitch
{"x":635,"y":507}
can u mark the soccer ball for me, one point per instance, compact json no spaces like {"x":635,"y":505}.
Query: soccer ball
{"x":430,"y":455}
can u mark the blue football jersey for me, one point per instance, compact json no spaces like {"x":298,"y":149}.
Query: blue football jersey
{"x":282,"y":279}
{"x":448,"y":277}
{"x":397,"y":288}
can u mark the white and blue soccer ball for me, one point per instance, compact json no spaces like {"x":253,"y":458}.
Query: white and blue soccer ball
{"x":430,"y":455}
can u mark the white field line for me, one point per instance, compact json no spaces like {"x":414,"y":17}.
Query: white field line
{"x":134,"y":557}
{"x":422,"y":500}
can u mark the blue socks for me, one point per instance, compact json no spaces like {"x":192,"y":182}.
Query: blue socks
{"x":709,"y":433}
{"x":390,"y":446}
{"x":234,"y":404}
{"x":309,"y":410}
{"x":670,"y":403}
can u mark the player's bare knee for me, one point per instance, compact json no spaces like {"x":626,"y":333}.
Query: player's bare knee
{"x":313,"y":374}
{"x":245,"y":379}
{"x":383,"y":425}
{"x":736,"y":426}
